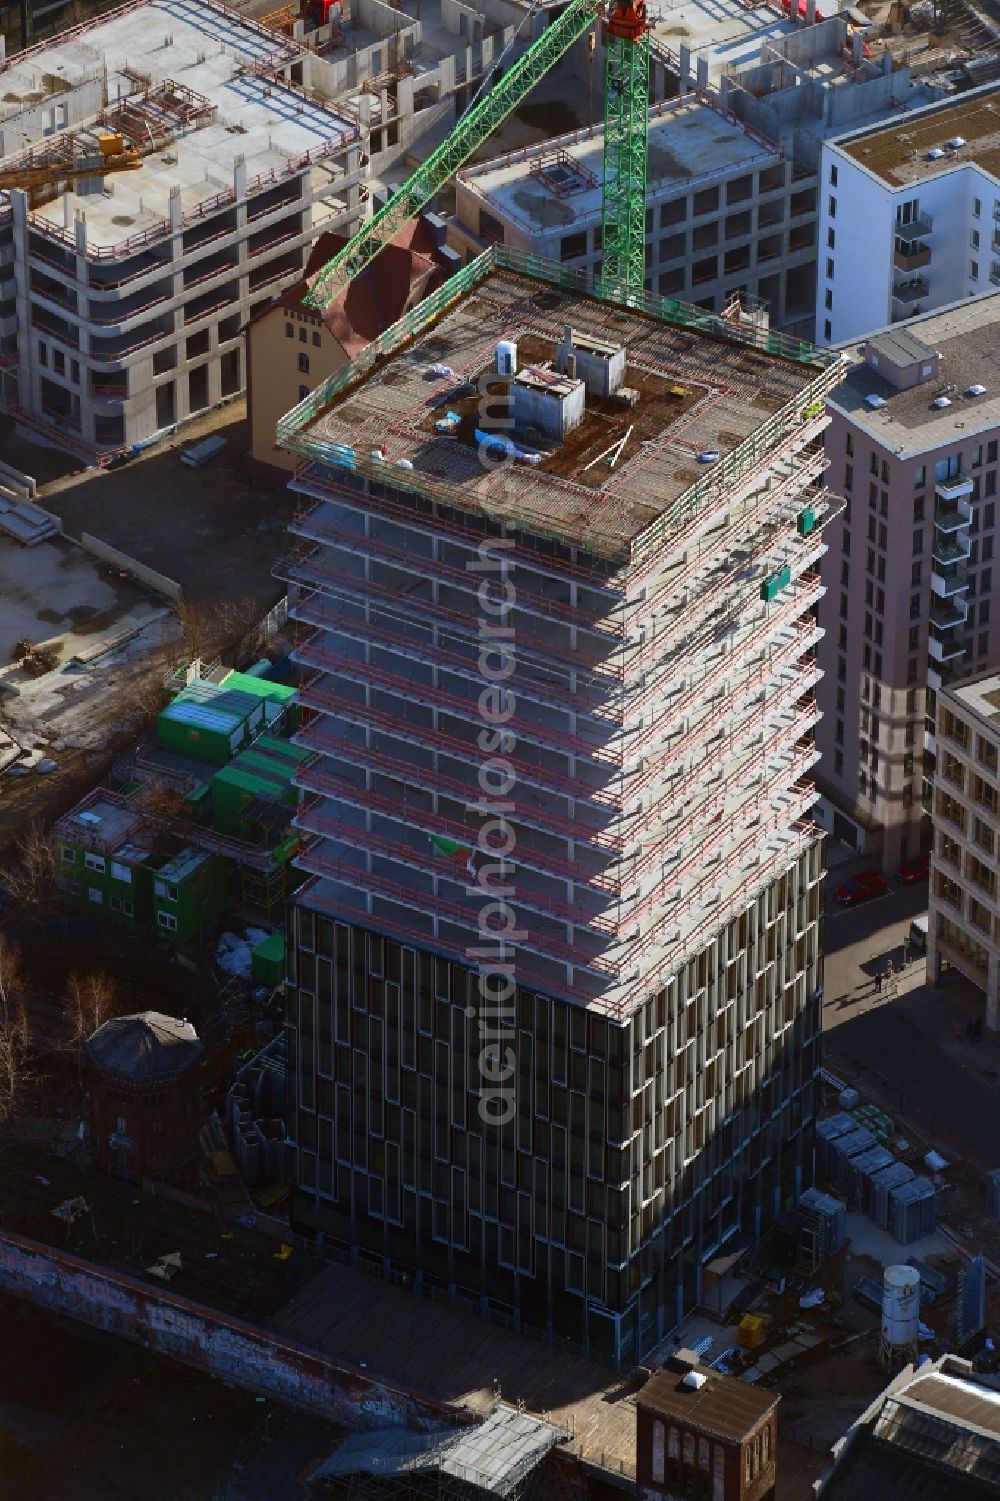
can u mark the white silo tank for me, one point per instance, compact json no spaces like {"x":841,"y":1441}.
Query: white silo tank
{"x":900,"y":1306}
{"x":506,"y":357}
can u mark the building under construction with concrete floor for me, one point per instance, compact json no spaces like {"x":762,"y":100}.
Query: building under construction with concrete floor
{"x":563,"y":1127}
{"x":123,"y":295}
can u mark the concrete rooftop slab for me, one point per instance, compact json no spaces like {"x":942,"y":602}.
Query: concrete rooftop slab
{"x":688,"y":140}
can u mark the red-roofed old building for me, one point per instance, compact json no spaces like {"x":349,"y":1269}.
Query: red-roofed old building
{"x":292,"y":348}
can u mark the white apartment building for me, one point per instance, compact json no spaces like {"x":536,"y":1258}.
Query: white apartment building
{"x":123,"y":297}
{"x":963,"y":929}
{"x":909,"y":216}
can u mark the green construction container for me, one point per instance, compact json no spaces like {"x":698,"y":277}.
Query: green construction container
{"x":264,"y":770}
{"x":209,"y":722}
{"x":276,"y":697}
{"x":267,"y":962}
{"x":190,"y":891}
{"x":806,"y":521}
{"x":774,"y":585}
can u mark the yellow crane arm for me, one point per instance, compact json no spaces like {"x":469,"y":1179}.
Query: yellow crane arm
{"x":116,"y":157}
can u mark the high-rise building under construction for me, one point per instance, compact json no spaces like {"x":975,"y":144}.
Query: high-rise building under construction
{"x":554,"y":974}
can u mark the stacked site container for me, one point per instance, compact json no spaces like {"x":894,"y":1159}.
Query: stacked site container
{"x":828,"y":1131}
{"x":912,"y":1210}
{"x":842,"y":1152}
{"x":881,"y":1185}
{"x":874,"y":1160}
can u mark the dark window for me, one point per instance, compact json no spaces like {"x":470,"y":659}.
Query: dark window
{"x":303,"y":364}
{"x":289,"y":331}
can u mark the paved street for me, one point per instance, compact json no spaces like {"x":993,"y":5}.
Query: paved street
{"x":910,"y":1044}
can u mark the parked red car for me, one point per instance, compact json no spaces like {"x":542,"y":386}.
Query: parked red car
{"x":917,"y":869}
{"x":861,"y":888}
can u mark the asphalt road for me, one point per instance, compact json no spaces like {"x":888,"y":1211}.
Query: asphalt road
{"x":911,"y":1045}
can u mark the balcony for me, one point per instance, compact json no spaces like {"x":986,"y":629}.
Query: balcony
{"x":952,"y":516}
{"x":946,"y":614}
{"x":912,"y":259}
{"x":948,"y":550}
{"x":946,"y":582}
{"x":909,"y":290}
{"x":934,"y":681}
{"x":908,"y":234}
{"x":941,"y":649}
{"x":930,"y":741}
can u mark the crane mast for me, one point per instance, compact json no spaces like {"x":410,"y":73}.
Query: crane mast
{"x":626,"y":107}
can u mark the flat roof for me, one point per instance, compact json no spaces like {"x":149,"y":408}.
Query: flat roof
{"x":100,"y":820}
{"x":688,"y":141}
{"x":704,"y":390}
{"x":723,"y":1406}
{"x":967,"y":337}
{"x":206,"y":49}
{"x":979,"y":695}
{"x":899,"y":156}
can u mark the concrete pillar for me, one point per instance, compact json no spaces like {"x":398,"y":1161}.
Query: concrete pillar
{"x":857,"y":44}
{"x":810,"y":12}
{"x":240,"y":189}
{"x":684,"y":69}
{"x":701,"y":72}
{"x":174,"y":210}
{"x":725,"y":84}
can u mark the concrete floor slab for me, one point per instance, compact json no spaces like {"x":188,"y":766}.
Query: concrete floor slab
{"x":56,"y":593}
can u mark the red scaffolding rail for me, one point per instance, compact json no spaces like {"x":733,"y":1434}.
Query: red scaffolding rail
{"x":792,"y":652}
{"x":303,"y":569}
{"x":312,"y":655}
{"x":435,"y":656}
{"x":313,"y":696}
{"x":312,"y":820}
{"x":315,"y":529}
{"x":309,"y":858}
{"x":315,"y":778}
{"x":320,"y":478}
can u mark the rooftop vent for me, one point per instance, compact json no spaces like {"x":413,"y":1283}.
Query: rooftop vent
{"x":940,"y":402}
{"x":874,"y":401}
{"x":976,"y":390}
{"x":935,"y":153}
{"x":955,"y":143}
{"x":694,"y":1381}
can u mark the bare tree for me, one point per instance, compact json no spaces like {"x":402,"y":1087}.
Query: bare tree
{"x":14,"y":1032}
{"x":31,"y":877}
{"x":90,"y":1001}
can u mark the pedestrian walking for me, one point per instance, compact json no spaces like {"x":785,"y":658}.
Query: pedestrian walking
{"x":878,"y":982}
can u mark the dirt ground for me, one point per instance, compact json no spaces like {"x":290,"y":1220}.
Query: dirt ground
{"x":226,"y":1266}
{"x":216,"y":531}
{"x":87,"y":1418}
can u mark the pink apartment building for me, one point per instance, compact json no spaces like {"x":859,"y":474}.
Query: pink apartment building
{"x":909,"y":573}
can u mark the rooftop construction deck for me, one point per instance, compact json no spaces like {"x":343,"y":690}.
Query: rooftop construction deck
{"x":174,"y":69}
{"x":687,"y":142}
{"x":706,"y":389}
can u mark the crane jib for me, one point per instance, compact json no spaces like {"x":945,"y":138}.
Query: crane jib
{"x":626,"y":113}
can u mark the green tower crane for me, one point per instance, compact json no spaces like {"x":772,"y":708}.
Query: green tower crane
{"x":626,"y":109}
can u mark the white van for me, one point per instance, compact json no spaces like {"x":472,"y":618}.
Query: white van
{"x":918,"y":934}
